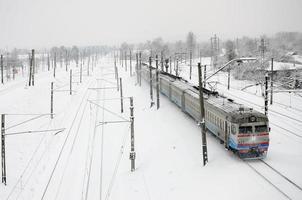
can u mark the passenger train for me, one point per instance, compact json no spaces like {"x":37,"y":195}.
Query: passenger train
{"x":241,"y":129}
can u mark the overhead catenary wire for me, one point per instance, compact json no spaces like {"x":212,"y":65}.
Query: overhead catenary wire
{"x":63,"y":146}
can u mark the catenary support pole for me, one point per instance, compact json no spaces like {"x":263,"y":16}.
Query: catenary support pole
{"x":30,"y":69}
{"x":1,"y":63}
{"x":51,"y":100}
{"x":150,"y":77}
{"x":202,"y":118}
{"x":136,"y":68}
{"x":33,"y":63}
{"x":3,"y":160}
{"x":266,"y":95}
{"x":157,"y":84}
{"x":190,"y":65}
{"x":229,"y":77}
{"x":121,"y":94}
{"x":54,"y":64}
{"x":204,"y":75}
{"x":272,"y":80}
{"x":132,"y":152}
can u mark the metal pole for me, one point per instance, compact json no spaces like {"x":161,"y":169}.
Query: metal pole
{"x":204,"y":75}
{"x":70,"y":82}
{"x":190,"y":64}
{"x":1,"y":63}
{"x":202,"y":120}
{"x":30,"y":69}
{"x":150,"y":77}
{"x":229,"y":77}
{"x":272,"y":80}
{"x":140,"y":68}
{"x":132,"y":152}
{"x":54,"y":65}
{"x":3,"y":160}
{"x":51,"y":100}
{"x":136,"y":68}
{"x":170,"y":64}
{"x":266,"y":95}
{"x":121,"y":93}
{"x":157,"y":84}
{"x":33,"y":66}
{"x":176,"y":73}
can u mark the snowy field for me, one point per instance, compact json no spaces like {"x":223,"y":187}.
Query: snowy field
{"x":91,"y":161}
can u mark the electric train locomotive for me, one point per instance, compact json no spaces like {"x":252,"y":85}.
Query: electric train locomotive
{"x":241,"y":129}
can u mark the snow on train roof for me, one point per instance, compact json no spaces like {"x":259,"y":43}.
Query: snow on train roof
{"x":221,"y":102}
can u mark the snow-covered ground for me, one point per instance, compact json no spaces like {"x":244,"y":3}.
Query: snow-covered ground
{"x":86,"y":161}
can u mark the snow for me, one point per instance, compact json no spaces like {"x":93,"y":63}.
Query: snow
{"x":167,"y":142}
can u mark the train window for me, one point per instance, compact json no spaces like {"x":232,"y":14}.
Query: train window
{"x":233,"y":129}
{"x":262,"y":128}
{"x":245,"y":129}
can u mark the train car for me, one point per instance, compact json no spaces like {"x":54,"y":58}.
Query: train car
{"x":241,"y":129}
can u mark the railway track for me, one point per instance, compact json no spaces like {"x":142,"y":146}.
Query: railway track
{"x":288,"y":188}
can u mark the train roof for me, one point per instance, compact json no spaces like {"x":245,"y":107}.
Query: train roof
{"x":235,"y":111}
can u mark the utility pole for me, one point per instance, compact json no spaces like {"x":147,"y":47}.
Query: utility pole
{"x":157,"y":84}
{"x":33,"y":63}
{"x":30,"y":69}
{"x":70,"y":82}
{"x":266,"y":95}
{"x":3,"y":160}
{"x":229,"y":77}
{"x":121,"y":95}
{"x":132,"y":152}
{"x":204,"y":75}
{"x":54,"y":64}
{"x":137,"y":63}
{"x":51,"y":100}
{"x":202,"y":119}
{"x":150,"y":76}
{"x":190,"y":64}
{"x":176,"y":73}
{"x":1,"y":63}
{"x":272,"y":81}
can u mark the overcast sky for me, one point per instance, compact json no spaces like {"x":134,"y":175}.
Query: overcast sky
{"x":38,"y":23}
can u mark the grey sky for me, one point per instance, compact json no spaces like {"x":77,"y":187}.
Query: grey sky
{"x":37,"y":23}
